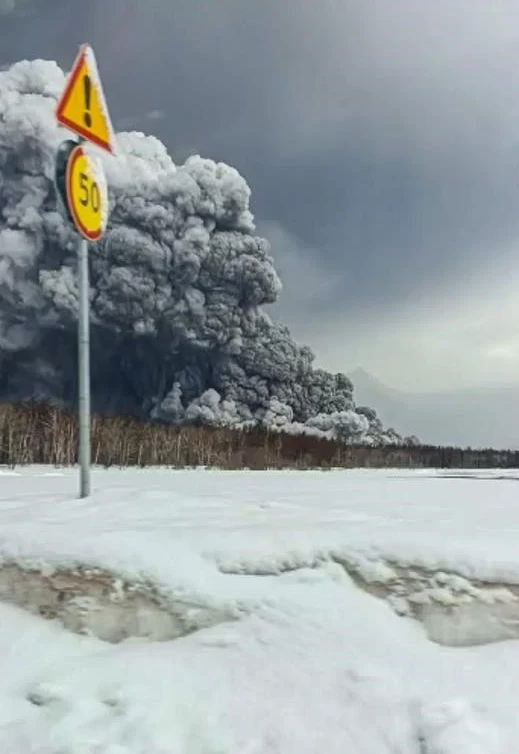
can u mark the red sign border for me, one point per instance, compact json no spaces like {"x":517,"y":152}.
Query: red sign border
{"x":76,"y":153}
{"x":63,"y":102}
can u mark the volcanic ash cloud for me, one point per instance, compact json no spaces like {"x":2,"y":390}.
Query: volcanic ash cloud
{"x":179,"y":286}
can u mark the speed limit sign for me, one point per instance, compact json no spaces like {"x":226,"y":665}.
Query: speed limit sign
{"x":82,"y":195}
{"x":87,"y":193}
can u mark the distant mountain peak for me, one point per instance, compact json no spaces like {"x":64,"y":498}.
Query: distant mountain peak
{"x":478,"y":417}
{"x":365,"y":380}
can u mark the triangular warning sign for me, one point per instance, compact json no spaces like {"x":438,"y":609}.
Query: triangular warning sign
{"x":82,"y":107}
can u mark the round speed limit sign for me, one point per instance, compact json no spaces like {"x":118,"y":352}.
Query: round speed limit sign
{"x":87,"y":194}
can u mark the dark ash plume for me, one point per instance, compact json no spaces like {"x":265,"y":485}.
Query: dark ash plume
{"x":179,"y":287}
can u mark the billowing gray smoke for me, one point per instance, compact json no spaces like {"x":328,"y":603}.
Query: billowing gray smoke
{"x":178,"y":287}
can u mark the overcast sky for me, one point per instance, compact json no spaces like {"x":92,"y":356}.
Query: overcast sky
{"x":381,"y":142}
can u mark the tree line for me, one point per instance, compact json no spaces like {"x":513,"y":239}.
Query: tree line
{"x":39,"y":433}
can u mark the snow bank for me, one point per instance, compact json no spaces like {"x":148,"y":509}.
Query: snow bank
{"x":95,"y":602}
{"x":158,"y":554}
{"x":298,"y":659}
{"x":101,"y":604}
{"x":268,"y":685}
{"x":321,"y":667}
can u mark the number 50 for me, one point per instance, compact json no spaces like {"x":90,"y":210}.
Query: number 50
{"x":89,"y":192}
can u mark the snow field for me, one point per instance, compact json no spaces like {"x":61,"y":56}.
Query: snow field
{"x":277,"y":649}
{"x":439,"y":548}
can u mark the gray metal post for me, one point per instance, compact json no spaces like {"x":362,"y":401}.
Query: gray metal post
{"x":84,"y":368}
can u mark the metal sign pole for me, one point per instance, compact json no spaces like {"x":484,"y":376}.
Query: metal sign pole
{"x":84,"y":368}
{"x":81,"y":186}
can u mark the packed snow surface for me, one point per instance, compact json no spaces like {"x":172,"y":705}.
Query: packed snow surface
{"x":265,"y":522}
{"x":297,"y":657}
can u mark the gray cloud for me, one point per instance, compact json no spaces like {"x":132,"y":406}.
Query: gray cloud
{"x":6,"y":6}
{"x":19,"y":7}
{"x":179,"y":286}
{"x":381,"y":136}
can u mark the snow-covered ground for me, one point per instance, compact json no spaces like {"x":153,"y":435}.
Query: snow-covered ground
{"x":281,"y":592}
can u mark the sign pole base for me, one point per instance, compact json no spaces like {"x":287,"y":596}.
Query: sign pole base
{"x":83,"y":369}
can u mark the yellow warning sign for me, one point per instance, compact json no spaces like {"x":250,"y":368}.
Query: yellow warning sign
{"x":87,"y":194}
{"x":82,"y":107}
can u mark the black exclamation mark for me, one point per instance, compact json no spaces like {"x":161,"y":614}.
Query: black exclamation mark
{"x":87,"y":88}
